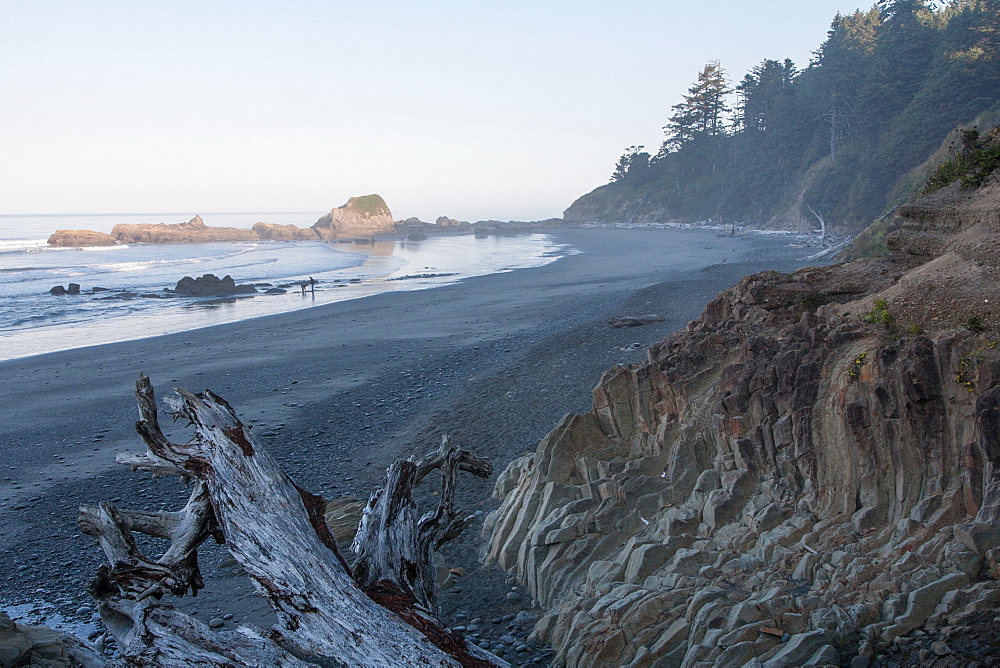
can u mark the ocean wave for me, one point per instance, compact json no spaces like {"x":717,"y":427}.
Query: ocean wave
{"x":20,"y":244}
{"x":17,"y":270}
{"x":30,"y":320}
{"x":138,"y":265}
{"x":98,"y":249}
{"x":32,"y":274}
{"x":42,"y":246}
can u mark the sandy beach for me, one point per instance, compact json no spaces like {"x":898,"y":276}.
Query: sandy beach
{"x":338,"y":391}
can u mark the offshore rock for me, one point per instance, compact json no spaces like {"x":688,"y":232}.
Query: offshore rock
{"x":80,"y":239}
{"x":71,"y":289}
{"x":211,"y":285}
{"x":814,"y":460}
{"x":445,"y":221}
{"x":360,"y":217}
{"x":276,"y":232}
{"x":193,"y":231}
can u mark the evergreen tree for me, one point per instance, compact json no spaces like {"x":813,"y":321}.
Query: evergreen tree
{"x":702,"y":113}
{"x":845,"y":63}
{"x":762,"y":93}
{"x":906,"y":42}
{"x":633,"y":161}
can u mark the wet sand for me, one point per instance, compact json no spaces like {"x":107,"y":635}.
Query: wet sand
{"x":338,"y":391}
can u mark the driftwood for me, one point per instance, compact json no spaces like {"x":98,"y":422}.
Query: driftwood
{"x":635,"y":320}
{"x":822,"y":225}
{"x":379,"y":613}
{"x":392,"y":544}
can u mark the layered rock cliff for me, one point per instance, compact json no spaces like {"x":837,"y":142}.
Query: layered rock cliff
{"x":806,"y":475}
{"x":360,"y":217}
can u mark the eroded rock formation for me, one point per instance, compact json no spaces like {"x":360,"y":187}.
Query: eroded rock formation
{"x":276,"y":232}
{"x":807,"y":475}
{"x":193,"y":231}
{"x":80,"y":238}
{"x":360,"y":217}
{"x":211,"y":285}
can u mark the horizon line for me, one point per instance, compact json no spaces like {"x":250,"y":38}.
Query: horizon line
{"x":143,"y":213}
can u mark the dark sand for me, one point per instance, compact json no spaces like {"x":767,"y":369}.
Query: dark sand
{"x":338,"y":391}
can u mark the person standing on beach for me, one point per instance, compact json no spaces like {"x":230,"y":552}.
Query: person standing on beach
{"x":312,"y":284}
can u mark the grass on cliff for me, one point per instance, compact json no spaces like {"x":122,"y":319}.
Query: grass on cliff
{"x":977,"y":158}
{"x":871,"y":242}
{"x":368,"y":205}
{"x":970,"y":159}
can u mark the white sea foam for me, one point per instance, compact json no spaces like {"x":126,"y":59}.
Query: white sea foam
{"x":102,"y":249}
{"x":22,"y":244}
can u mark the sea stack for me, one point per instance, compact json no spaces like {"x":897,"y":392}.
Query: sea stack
{"x":360,"y":217}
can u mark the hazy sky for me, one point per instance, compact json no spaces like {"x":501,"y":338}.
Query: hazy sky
{"x":476,"y":110}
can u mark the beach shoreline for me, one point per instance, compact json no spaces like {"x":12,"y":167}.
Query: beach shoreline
{"x":338,"y":391}
{"x":128,"y":291}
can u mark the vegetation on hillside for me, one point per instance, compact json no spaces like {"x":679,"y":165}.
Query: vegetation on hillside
{"x":842,"y":137}
{"x":368,"y":205}
{"x":978,"y":158}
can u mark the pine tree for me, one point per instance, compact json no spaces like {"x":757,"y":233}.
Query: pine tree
{"x":844,"y":63}
{"x":633,"y":161}
{"x":761,"y":94}
{"x":702,"y":113}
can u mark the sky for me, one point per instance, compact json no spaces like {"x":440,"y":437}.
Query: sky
{"x":473,"y":109}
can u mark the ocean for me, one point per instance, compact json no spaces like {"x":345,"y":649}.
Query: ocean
{"x":132,"y":301}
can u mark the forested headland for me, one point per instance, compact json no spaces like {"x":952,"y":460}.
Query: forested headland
{"x":848,"y":137}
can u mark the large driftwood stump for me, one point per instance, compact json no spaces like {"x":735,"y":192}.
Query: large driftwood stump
{"x":382,"y":613}
{"x":392,"y":544}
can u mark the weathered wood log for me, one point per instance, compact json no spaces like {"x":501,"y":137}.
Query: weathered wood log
{"x":392,"y":544}
{"x":276,"y":531}
{"x":635,"y":320}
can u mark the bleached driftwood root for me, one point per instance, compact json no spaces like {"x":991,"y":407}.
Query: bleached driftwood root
{"x":327,"y":615}
{"x":392,"y":544}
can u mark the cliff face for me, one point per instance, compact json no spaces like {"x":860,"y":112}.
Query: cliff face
{"x":193,"y":231}
{"x":360,"y":217}
{"x":619,"y":203}
{"x":807,"y":474}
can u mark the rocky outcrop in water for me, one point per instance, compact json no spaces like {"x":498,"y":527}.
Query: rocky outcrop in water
{"x":445,"y":221}
{"x":276,"y":232}
{"x":809,"y":474}
{"x":71,"y":289}
{"x":360,"y":217}
{"x":211,"y":285}
{"x":80,"y":239}
{"x":193,"y":231}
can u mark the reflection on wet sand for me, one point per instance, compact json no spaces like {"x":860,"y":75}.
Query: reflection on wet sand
{"x":369,"y":247}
